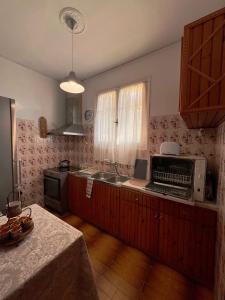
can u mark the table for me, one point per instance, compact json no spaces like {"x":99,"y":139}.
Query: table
{"x":51,"y":263}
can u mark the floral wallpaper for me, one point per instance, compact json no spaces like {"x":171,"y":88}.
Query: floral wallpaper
{"x":220,"y":248}
{"x":161,"y":129}
{"x":193,"y":141}
{"x":37,"y":153}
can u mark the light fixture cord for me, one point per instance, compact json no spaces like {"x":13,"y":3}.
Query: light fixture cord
{"x":72,"y":50}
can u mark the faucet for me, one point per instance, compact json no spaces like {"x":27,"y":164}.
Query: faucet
{"x":112,"y":164}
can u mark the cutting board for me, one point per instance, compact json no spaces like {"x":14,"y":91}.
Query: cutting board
{"x":140,"y":168}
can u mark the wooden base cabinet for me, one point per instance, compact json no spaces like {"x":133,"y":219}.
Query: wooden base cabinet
{"x":139,"y":221}
{"x":129,"y":216}
{"x":179,"y":235}
{"x":187,"y":237}
{"x":106,"y":207}
{"x":168,"y":232}
{"x":79,"y":204}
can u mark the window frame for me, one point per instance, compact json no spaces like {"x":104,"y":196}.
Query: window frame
{"x":146,"y":81}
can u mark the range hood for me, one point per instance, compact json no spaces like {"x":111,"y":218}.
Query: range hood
{"x":73,"y":124}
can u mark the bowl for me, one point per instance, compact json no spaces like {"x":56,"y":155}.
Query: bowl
{"x":15,"y":231}
{"x":26,"y":222}
{"x":13,"y":221}
{"x":4,"y":233}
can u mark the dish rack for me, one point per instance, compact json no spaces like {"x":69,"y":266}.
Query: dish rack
{"x":172,"y":177}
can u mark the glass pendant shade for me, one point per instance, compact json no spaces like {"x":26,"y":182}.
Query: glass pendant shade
{"x":71,"y":84}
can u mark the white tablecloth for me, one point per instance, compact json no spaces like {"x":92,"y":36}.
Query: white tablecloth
{"x":51,"y":263}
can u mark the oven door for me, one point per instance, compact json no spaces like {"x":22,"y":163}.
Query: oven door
{"x":52,"y":187}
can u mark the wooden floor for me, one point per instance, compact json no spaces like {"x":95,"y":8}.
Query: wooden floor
{"x":124,"y":273}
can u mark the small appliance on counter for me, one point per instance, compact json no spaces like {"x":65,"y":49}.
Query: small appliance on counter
{"x":178,"y":176}
{"x":55,"y":186}
{"x":170,"y":148}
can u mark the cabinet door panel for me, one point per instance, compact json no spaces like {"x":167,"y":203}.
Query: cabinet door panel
{"x":105,"y":204}
{"x":129,"y":212}
{"x":168,"y":231}
{"x":149,"y":225}
{"x":86,"y":203}
{"x":75,"y":195}
{"x":113,"y":210}
{"x":202,"y":101}
{"x":187,"y":240}
{"x":97,"y":207}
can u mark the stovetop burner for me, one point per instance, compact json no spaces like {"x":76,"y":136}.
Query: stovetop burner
{"x":66,"y":169}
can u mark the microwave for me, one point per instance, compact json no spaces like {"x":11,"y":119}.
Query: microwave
{"x":179,"y":176}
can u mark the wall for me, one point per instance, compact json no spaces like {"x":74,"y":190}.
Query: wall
{"x":161,"y":67}
{"x":37,"y":154}
{"x":220,"y":249}
{"x":35,"y":95}
{"x":161,"y":128}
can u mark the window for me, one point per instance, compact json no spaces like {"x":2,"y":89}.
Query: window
{"x":105,"y":127}
{"x":121,"y":124}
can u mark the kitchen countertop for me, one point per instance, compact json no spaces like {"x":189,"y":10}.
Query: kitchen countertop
{"x":139,"y":185}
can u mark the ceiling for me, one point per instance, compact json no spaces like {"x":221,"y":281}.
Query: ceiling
{"x":117,"y":31}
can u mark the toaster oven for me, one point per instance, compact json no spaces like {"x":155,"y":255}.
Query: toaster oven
{"x":178,"y":176}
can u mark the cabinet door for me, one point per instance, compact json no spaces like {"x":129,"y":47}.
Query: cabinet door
{"x":86,"y":203}
{"x":168,"y":232}
{"x":205,"y":240}
{"x":79,"y":204}
{"x":75,"y":195}
{"x":202,"y":101}
{"x":187,"y":240}
{"x":98,"y":204}
{"x":148,"y":225}
{"x":112,"y":210}
{"x":129,"y":215}
{"x":106,"y":207}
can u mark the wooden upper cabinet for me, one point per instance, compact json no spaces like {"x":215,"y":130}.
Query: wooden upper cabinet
{"x":202,"y":86}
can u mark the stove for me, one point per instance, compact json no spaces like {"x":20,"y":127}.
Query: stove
{"x":56,"y":187}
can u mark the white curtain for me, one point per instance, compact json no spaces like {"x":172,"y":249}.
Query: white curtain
{"x":105,"y":127}
{"x":132,"y":123}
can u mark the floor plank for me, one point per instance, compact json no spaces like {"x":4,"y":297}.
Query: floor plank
{"x":125,"y":273}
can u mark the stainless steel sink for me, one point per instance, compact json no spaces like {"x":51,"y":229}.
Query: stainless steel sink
{"x":117,"y":179}
{"x":103,"y":176}
{"x":110,"y":178}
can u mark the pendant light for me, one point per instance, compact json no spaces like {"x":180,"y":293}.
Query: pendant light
{"x":74,"y":22}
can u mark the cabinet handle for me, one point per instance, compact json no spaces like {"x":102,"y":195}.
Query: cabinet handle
{"x":156,"y":216}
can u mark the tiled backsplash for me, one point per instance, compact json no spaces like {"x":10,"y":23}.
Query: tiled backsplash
{"x":161,"y":128}
{"x":193,"y":141}
{"x":38,"y":154}
{"x":220,"y":248}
